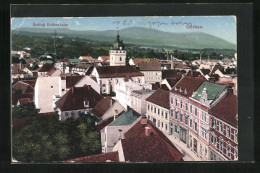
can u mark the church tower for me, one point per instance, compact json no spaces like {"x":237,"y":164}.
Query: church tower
{"x":117,"y":53}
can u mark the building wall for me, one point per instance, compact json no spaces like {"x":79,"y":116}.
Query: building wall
{"x":45,"y":88}
{"x":152,"y":76}
{"x":139,"y":103}
{"x":112,"y":135}
{"x":118,"y":147}
{"x":111,"y":111}
{"x":115,"y":56}
{"x":63,"y":115}
{"x":159,"y":116}
{"x":88,"y":81}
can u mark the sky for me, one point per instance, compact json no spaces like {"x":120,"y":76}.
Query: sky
{"x":220,"y":26}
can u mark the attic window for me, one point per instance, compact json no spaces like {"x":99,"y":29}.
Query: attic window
{"x":86,"y":103}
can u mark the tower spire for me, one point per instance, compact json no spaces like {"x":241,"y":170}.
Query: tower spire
{"x":117,"y":34}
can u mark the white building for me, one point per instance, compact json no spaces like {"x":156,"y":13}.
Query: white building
{"x":123,"y":89}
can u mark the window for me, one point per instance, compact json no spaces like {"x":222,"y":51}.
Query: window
{"x":63,"y":90}
{"x":203,"y":116}
{"x":86,"y":103}
{"x":158,"y":124}
{"x":158,"y":111}
{"x":221,"y":144}
{"x":203,"y":132}
{"x":176,"y":115}
{"x":171,"y":113}
{"x":176,"y":102}
{"x":235,"y":136}
{"x":228,"y":150}
{"x":190,"y":123}
{"x":151,"y":107}
{"x":120,"y":58}
{"x":175,"y":129}
{"x":181,"y":104}
{"x":154,"y":110}
{"x":154,"y":121}
{"x":235,"y":154}
{"x":148,"y":117}
{"x":206,"y":152}
{"x":148,"y":107}
{"x":51,"y":86}
{"x":190,"y":108}
{"x":162,"y":113}
{"x":200,"y":149}
{"x":195,"y":145}
{"x":196,"y":126}
{"x":171,"y":101}
{"x":221,"y":127}
{"x":72,"y":114}
{"x":190,"y":141}
{"x":228,"y":132}
{"x":79,"y":113}
{"x":66,"y":114}
{"x":166,"y":126}
{"x":186,"y":120}
{"x":186,"y":106}
{"x":195,"y":111}
{"x":212,"y":122}
{"x":162,"y":124}
{"x":166,"y":115}
{"x":181,"y":117}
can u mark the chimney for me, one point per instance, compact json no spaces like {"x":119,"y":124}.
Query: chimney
{"x":147,"y":131}
{"x":167,"y":56}
{"x":171,"y":63}
{"x":144,"y":120}
{"x":230,"y":90}
{"x":72,"y":89}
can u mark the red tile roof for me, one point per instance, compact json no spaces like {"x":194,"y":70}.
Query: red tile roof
{"x":89,"y":58}
{"x":117,"y":71}
{"x":226,"y":109}
{"x":72,"y":80}
{"x":205,"y":71}
{"x":172,"y":73}
{"x":16,"y":97}
{"x":51,"y":72}
{"x":149,"y":66}
{"x":17,"y":70}
{"x":156,"y":86}
{"x":23,"y":101}
{"x":173,"y":81}
{"x":102,"y":106}
{"x":188,"y":84}
{"x":63,"y":60}
{"x":30,"y":82}
{"x":149,"y":149}
{"x":113,"y":156}
{"x":45,"y":68}
{"x":105,"y":58}
{"x":143,"y":60}
{"x":160,"y":97}
{"x":23,"y":87}
{"x":194,"y":73}
{"x":102,"y":124}
{"x":215,"y":68}
{"x":75,"y":97}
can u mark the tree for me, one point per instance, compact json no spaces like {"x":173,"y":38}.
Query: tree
{"x":26,"y":110}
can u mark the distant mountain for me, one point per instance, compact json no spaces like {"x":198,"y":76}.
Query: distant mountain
{"x":139,"y":36}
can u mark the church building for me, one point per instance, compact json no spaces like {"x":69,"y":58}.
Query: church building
{"x":117,"y":53}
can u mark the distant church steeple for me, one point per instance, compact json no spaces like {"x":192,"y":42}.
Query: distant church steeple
{"x":117,"y":52}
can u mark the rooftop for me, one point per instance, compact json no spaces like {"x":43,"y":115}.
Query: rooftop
{"x":117,"y":71}
{"x":149,"y":66}
{"x":160,"y":97}
{"x":106,"y":157}
{"x":213,"y":90}
{"x":126,"y":118}
{"x":102,"y":107}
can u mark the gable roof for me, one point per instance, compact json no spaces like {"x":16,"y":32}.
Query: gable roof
{"x":213,"y":90}
{"x":205,"y":71}
{"x":144,"y":60}
{"x":226,"y":109}
{"x":113,"y":156}
{"x":16,"y":97}
{"x":149,"y":66}
{"x":172,"y":73}
{"x":173,"y":81}
{"x":102,"y":124}
{"x":187,"y":85}
{"x":101,"y":107}
{"x":30,"y":82}
{"x":45,"y":68}
{"x":117,"y":71}
{"x":215,"y":68}
{"x":75,"y":97}
{"x":72,"y":80}
{"x":126,"y":118}
{"x":23,"y":87}
{"x":156,"y":86}
{"x":193,"y":73}
{"x":149,"y":149}
{"x":160,"y":97}
{"x":105,"y":58}
{"x":89,"y":58}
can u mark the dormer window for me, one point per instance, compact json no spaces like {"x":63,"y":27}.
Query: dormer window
{"x":86,"y":104}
